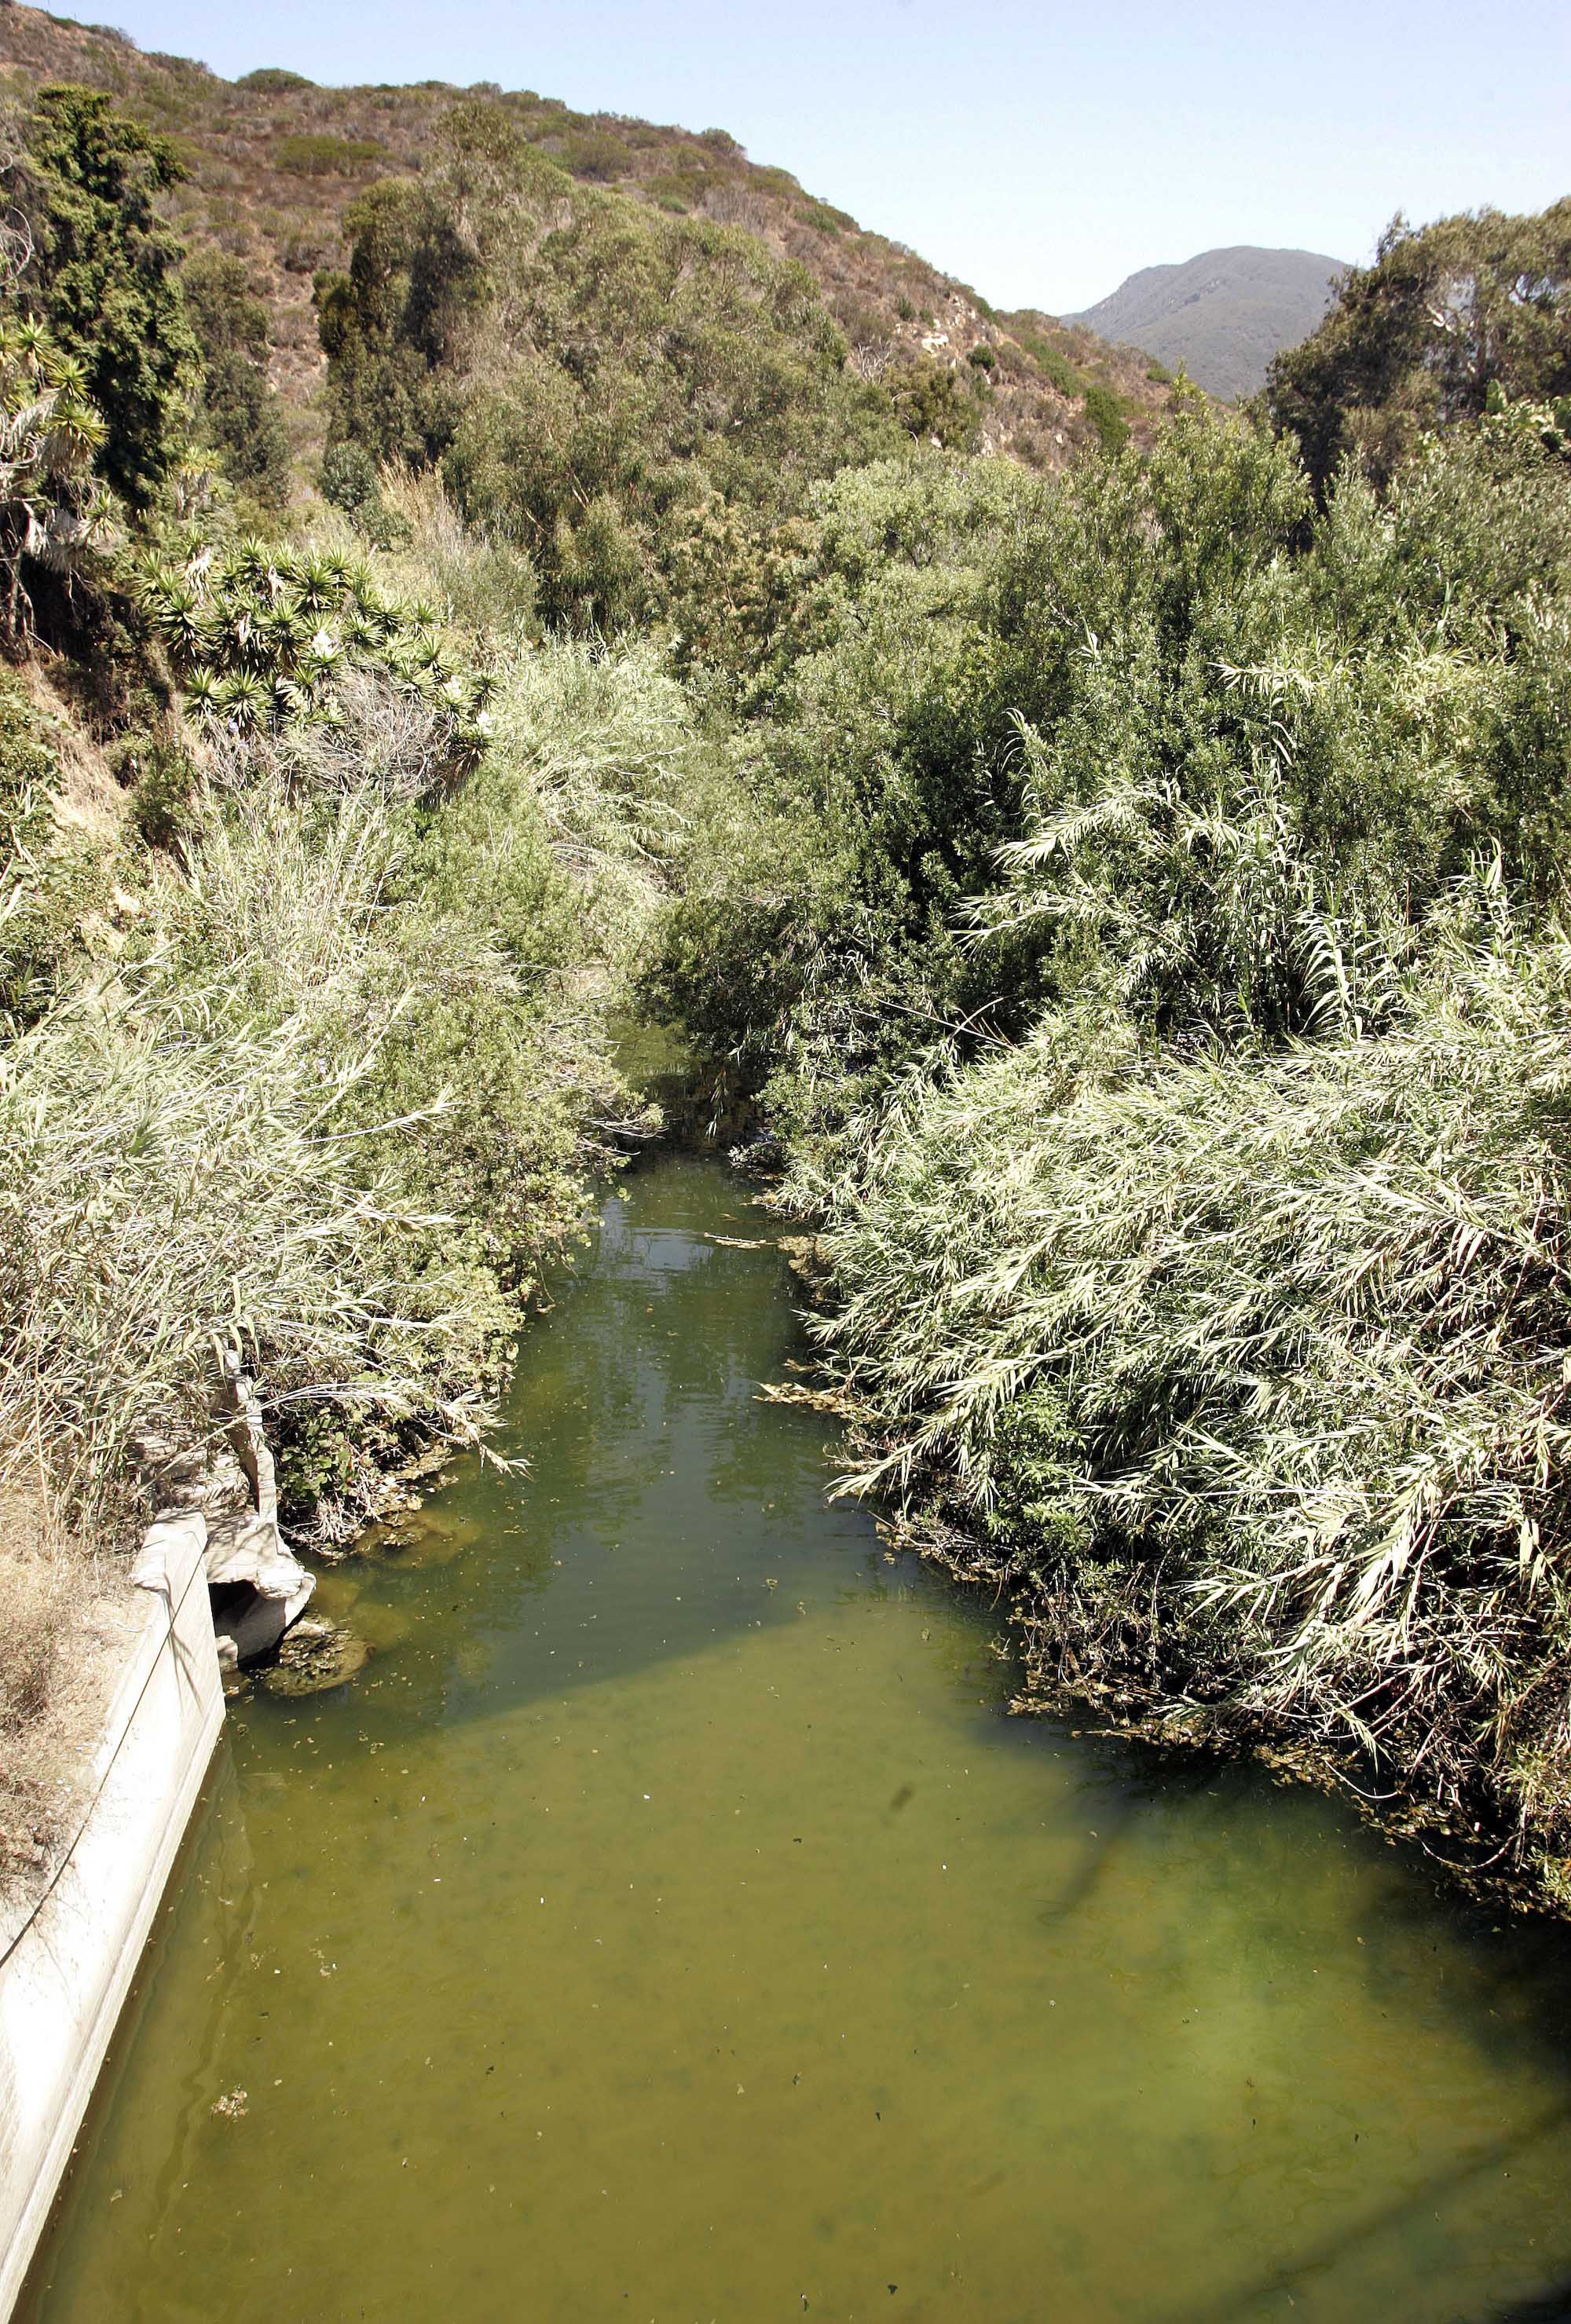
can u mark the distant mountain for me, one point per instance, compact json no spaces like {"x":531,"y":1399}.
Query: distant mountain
{"x":1223,"y":315}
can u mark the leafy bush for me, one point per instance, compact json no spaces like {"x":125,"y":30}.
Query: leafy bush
{"x":585,"y":369}
{"x":317,"y":153}
{"x":932,"y":406}
{"x":1274,"y":1343}
{"x":344,"y":1089}
{"x":241,"y":419}
{"x":163,"y":788}
{"x":1050,"y":360}
{"x":351,"y":481}
{"x":1106,"y":413}
{"x":103,"y":275}
{"x":1137,"y":910}
{"x":114,"y":1284}
{"x":592,"y":152}
{"x":273,"y":81}
{"x":1417,"y":340}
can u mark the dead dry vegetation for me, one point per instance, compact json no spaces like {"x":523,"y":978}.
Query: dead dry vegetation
{"x":66,"y":1609}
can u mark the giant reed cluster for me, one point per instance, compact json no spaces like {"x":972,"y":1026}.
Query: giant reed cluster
{"x":1168,"y":1012}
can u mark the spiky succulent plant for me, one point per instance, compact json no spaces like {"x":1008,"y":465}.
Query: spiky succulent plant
{"x":260,"y":637}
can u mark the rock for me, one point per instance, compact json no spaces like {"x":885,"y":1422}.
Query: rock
{"x":423,"y":1537}
{"x":314,"y":1657}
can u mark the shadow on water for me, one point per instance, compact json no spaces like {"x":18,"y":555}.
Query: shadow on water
{"x":640,"y":1425}
{"x":1549,"y":2307}
{"x":1255,"y":2298}
{"x":673,"y":1923}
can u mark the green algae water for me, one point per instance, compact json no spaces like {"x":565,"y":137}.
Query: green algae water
{"x":671,"y":1924}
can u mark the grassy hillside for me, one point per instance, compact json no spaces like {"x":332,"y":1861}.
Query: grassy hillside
{"x":276,"y":163}
{"x":1223,"y":315}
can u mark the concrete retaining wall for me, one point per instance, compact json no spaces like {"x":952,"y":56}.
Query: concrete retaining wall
{"x":66,"y":1973}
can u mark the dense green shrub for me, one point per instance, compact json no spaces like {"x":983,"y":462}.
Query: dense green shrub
{"x":1050,"y":360}
{"x":815,"y":936}
{"x":346,"y":1085}
{"x":104,"y":274}
{"x":273,"y":81}
{"x":1238,"y":762}
{"x":351,"y":481}
{"x":1138,"y":908}
{"x":587,"y":370}
{"x":240,"y":415}
{"x":1106,"y":415}
{"x":392,"y":321}
{"x":1262,"y":1354}
{"x":931,"y":404}
{"x":315,"y":154}
{"x":163,"y":783}
{"x":1417,"y":340}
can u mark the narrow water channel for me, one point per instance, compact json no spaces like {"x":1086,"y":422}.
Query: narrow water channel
{"x":671,"y":1924}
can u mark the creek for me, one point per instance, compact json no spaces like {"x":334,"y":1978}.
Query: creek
{"x":672,"y":1923}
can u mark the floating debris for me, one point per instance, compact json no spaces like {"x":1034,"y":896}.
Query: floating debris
{"x":820,"y":1399}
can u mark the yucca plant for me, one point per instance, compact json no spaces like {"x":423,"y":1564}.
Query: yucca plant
{"x":242,"y":697}
{"x":319,"y":583}
{"x":180,"y":617}
{"x":202,"y":698}
{"x":264,"y":634}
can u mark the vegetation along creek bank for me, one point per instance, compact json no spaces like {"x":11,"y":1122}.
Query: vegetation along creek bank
{"x":672,"y":1918}
{"x":1101,"y":852}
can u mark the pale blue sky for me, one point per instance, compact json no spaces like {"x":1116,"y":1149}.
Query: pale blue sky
{"x":1040,"y":153}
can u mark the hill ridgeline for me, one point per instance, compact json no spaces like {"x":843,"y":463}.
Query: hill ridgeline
{"x":1223,"y":315}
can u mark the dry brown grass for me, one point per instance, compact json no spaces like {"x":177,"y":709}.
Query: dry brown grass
{"x":64,"y":1610}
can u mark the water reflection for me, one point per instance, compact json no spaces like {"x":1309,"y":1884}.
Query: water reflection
{"x":671,"y":1923}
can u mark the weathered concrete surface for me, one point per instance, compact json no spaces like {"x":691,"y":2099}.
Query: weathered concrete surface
{"x":65,"y":1973}
{"x":259,"y":1586}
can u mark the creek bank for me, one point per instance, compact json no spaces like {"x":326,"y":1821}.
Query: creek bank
{"x":1065,"y":1664}
{"x":1114,"y":1692}
{"x":601,"y":1721}
{"x":1133,"y":1677}
{"x":67,"y":1967}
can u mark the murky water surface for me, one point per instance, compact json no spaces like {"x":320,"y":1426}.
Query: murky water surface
{"x":671,"y":1926}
